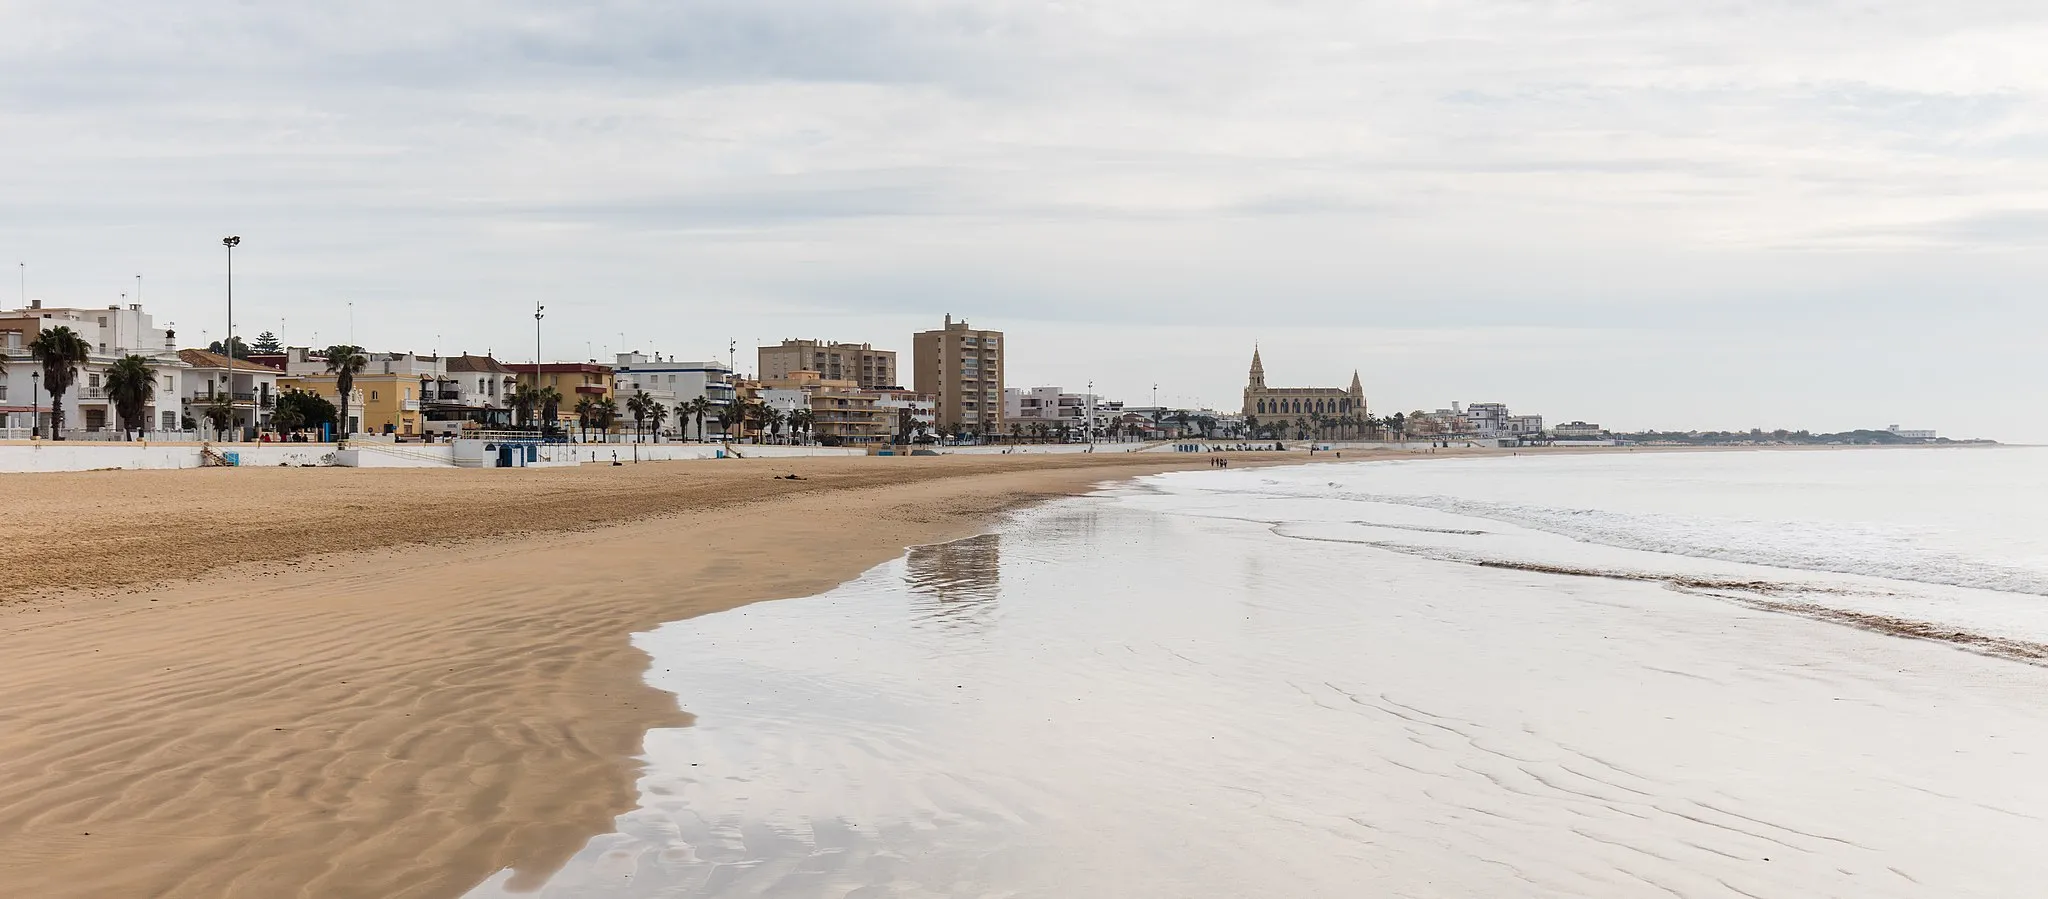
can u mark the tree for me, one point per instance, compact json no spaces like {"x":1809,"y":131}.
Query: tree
{"x":697,"y":409}
{"x":730,"y":415}
{"x":61,"y":351}
{"x":132,"y":386}
{"x":772,"y":419}
{"x":550,"y":402}
{"x":604,"y":413}
{"x":287,"y":421}
{"x":219,"y":413}
{"x":524,"y":400}
{"x":639,"y":404}
{"x":801,"y":420}
{"x":1252,"y":425}
{"x":584,"y":407}
{"x":266,"y":343}
{"x":298,"y":409}
{"x":241,"y":349}
{"x":657,"y":415}
{"x":344,"y":362}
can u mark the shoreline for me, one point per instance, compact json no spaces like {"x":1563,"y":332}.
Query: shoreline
{"x":361,"y":682}
{"x":426,"y":705}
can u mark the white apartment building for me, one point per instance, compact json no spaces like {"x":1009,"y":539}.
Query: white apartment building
{"x":1053,"y":407}
{"x":1578,"y":430}
{"x":680,"y":382}
{"x":110,"y":333}
{"x":1487,"y":419}
{"x":1524,"y":425}
{"x":248,"y":390}
{"x":473,"y":389}
{"x":923,"y":409}
{"x":1895,"y":431}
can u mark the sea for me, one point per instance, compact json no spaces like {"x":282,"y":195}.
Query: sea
{"x":1616,"y":674}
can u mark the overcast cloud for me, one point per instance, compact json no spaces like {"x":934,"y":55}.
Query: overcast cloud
{"x":1649,"y":214}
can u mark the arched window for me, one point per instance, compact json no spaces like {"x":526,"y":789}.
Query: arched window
{"x":1262,"y":407}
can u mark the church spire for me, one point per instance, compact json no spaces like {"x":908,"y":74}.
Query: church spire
{"x":1357,"y":389}
{"x":1258,"y":379}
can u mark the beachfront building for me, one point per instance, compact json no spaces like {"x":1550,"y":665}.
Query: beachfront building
{"x":1910,"y":434}
{"x":1287,"y":405}
{"x":857,"y":362}
{"x":677,"y":382}
{"x":110,"y":333}
{"x":387,"y":394}
{"x":841,"y":412}
{"x":961,"y":369}
{"x":571,"y":381}
{"x":909,"y":411}
{"x":246,"y":390}
{"x":1578,"y":430}
{"x":472,"y":392}
{"x":1051,"y":411}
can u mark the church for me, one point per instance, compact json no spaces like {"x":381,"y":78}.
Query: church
{"x":1282,"y":404}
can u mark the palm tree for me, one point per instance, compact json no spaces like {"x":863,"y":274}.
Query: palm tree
{"x":730,"y":415}
{"x":61,"y":351}
{"x":524,"y":401}
{"x":344,"y":362}
{"x":583,"y":409}
{"x":639,"y":404}
{"x":550,"y":402}
{"x":604,"y":413}
{"x":132,"y":386}
{"x":800,"y":421}
{"x":219,"y":413}
{"x":657,"y":415}
{"x":697,"y":409}
{"x":772,"y":419}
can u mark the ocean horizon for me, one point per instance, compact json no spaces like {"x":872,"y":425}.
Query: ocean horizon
{"x":1772,"y":674}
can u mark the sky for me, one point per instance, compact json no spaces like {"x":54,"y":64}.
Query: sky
{"x":1666,"y":214}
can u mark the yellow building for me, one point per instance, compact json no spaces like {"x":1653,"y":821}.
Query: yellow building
{"x":572,"y":380}
{"x":386,"y":395}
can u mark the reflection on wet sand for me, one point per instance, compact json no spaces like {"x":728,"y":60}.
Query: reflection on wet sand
{"x":1167,"y":704}
{"x":955,"y":585}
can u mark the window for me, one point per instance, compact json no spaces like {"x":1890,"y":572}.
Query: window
{"x":103,"y":349}
{"x":92,"y":380}
{"x":373,"y":394}
{"x":103,"y":321}
{"x":170,"y":421}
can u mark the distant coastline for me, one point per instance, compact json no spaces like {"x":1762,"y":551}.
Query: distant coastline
{"x":1790,"y":438}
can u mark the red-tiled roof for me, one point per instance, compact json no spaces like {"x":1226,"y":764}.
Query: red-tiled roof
{"x":204,"y":359}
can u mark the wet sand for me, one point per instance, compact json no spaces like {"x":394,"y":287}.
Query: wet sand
{"x":393,"y":683}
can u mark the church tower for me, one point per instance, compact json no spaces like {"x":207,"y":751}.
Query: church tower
{"x":1258,"y":381}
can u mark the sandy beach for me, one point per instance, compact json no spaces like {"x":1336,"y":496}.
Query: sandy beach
{"x":339,"y":683}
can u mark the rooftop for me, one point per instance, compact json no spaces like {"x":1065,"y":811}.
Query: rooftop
{"x":205,"y":359}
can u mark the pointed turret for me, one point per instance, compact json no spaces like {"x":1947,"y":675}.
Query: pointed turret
{"x":1357,"y":389}
{"x":1258,"y":378}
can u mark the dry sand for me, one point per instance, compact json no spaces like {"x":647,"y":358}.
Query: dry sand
{"x":392,"y":683}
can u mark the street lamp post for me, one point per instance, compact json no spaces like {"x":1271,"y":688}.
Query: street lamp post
{"x":35,"y":386}
{"x":227,"y":346}
{"x":1091,"y":416}
{"x":539,"y":312}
